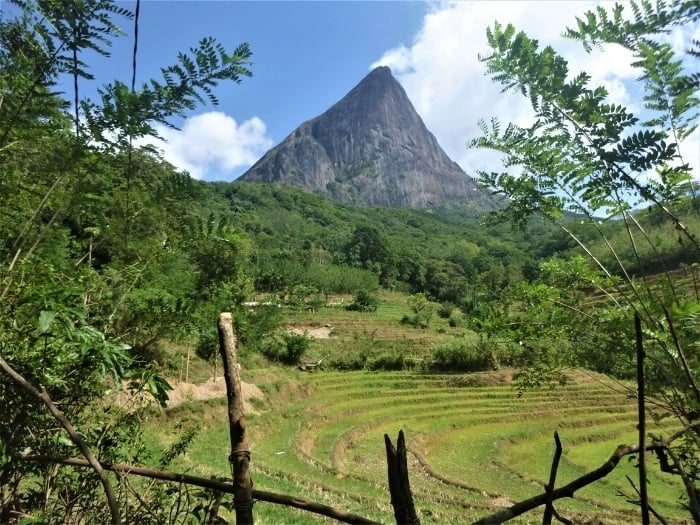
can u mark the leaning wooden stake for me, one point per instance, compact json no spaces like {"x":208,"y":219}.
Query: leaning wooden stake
{"x":549,"y":508}
{"x":399,"y":487}
{"x":641,"y":423}
{"x":240,"y":455}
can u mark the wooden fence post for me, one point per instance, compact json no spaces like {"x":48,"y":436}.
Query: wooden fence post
{"x":240,"y":455}
{"x":399,"y":487}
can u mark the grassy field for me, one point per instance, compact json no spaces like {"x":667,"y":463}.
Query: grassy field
{"x":474,"y":444}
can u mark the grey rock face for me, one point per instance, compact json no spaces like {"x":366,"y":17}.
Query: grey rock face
{"x":371,"y":148}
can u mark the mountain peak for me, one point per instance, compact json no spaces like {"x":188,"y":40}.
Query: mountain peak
{"x":379,"y":75}
{"x":383,"y":72}
{"x":370,"y":148}
{"x":378,"y":83}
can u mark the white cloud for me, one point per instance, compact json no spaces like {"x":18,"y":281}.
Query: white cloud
{"x":681,"y":38}
{"x":446,"y":81}
{"x":214,"y":145}
{"x":448,"y":85}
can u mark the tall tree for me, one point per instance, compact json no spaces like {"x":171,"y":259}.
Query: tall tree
{"x":368,"y":249}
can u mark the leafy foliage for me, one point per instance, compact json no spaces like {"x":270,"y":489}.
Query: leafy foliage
{"x":364,"y":302}
{"x":106,"y":251}
{"x":94,"y":269}
{"x":126,"y":114}
{"x":423,"y":311}
{"x":289,"y":348}
{"x":586,"y":155}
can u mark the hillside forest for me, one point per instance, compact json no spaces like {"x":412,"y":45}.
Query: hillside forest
{"x":109,"y":256}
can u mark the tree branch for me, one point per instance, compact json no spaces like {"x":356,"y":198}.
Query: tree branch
{"x":568,"y":490}
{"x":43,"y":396}
{"x":658,"y":516}
{"x":213,"y":484}
{"x":681,"y":355}
{"x":549,"y":509}
{"x":693,"y":504}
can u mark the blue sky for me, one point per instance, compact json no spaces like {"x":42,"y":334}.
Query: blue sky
{"x":308,"y":55}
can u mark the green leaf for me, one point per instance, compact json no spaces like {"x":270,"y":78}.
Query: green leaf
{"x":63,"y":440}
{"x":46,"y":320}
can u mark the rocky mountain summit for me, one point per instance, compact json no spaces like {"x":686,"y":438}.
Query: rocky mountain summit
{"x":370,"y":148}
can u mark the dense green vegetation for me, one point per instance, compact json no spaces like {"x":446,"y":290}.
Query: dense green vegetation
{"x":111,"y":260}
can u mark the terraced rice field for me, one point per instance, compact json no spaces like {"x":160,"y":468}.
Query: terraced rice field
{"x":474,"y":445}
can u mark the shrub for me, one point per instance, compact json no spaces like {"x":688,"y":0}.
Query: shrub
{"x":295,"y":346}
{"x":288,"y":348}
{"x":422,"y":310}
{"x":460,"y":356}
{"x":364,"y":302}
{"x":253,"y":329}
{"x":387,"y":361}
{"x":207,"y":344}
{"x":445,"y":310}
{"x":347,"y":361}
{"x":299,"y":293}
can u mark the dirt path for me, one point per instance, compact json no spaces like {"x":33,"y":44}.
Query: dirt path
{"x":320,"y":332}
{"x":211,"y":389}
